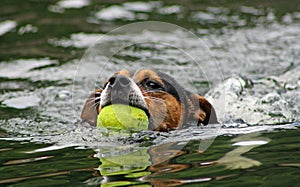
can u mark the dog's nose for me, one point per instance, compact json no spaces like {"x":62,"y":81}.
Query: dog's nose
{"x":119,"y":81}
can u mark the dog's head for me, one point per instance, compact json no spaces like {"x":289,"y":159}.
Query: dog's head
{"x":167,"y":104}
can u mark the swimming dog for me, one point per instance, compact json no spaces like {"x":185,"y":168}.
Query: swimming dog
{"x":168,"y":105}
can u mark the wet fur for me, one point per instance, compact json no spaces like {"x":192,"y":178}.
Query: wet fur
{"x":168,"y":109}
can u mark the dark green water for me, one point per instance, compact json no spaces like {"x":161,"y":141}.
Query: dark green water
{"x":243,"y":56}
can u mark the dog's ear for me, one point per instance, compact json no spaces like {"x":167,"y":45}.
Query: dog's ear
{"x":202,"y":110}
{"x":89,"y":111}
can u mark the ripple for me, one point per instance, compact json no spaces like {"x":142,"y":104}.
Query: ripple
{"x":115,"y":12}
{"x":7,"y":26}
{"x":22,"y":102}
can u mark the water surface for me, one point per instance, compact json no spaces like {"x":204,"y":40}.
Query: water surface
{"x":243,"y":56}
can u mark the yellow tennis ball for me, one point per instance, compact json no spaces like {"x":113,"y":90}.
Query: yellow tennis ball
{"x":123,"y":117}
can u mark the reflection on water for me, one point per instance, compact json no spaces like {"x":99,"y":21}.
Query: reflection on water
{"x":234,"y":158}
{"x":255,"y":45}
{"x":239,"y":159}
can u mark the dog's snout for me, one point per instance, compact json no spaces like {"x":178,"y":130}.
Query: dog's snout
{"x":124,"y":81}
{"x":121,"y":89}
{"x":119,"y":81}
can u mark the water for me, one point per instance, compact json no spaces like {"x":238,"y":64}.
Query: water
{"x":243,"y":56}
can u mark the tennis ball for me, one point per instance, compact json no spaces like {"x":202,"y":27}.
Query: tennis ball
{"x":123,"y":117}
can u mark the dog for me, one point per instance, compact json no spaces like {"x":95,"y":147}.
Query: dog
{"x":168,"y":105}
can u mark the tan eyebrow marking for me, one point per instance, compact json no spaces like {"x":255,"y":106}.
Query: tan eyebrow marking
{"x":124,"y":72}
{"x":121,"y":72}
{"x":147,"y":73}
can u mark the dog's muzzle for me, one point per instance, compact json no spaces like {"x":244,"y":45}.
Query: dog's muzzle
{"x":122,"y":90}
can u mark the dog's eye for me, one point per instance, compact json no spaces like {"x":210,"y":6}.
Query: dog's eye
{"x":153,"y":85}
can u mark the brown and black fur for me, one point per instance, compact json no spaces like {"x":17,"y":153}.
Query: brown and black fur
{"x":168,"y":105}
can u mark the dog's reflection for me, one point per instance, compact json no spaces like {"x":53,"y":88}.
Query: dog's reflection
{"x":147,"y":164}
{"x":124,"y":165}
